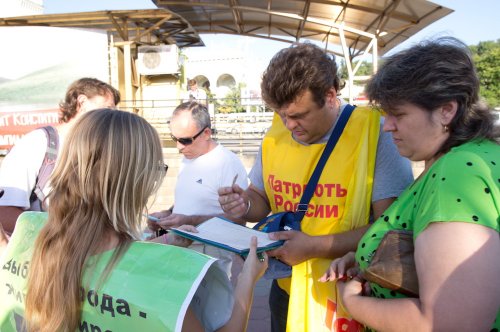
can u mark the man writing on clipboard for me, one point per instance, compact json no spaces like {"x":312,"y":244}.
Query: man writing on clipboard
{"x":301,"y":85}
{"x":205,"y":167}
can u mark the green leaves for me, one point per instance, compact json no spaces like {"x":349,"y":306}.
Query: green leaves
{"x":486,"y":56}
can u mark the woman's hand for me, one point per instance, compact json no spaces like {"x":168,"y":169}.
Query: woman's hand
{"x":175,"y":220}
{"x":174,"y":239}
{"x":253,"y":269}
{"x":255,"y":264}
{"x":341,"y":268}
{"x":349,"y":289}
{"x":180,"y":241}
{"x":153,"y":225}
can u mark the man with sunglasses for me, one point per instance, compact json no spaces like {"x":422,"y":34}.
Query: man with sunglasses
{"x":205,"y":167}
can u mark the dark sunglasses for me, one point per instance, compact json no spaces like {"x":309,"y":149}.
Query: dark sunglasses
{"x":188,"y":140}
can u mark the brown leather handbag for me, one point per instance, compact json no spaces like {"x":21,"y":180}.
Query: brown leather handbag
{"x":393,"y":265}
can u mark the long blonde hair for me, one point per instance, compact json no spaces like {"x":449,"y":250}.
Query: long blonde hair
{"x":111,"y":163}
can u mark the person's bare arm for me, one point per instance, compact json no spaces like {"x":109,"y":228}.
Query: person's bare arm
{"x":458,"y":267}
{"x":167,"y":219}
{"x":8,"y":217}
{"x":174,"y":239}
{"x":380,"y":206}
{"x":175,"y":220}
{"x":191,"y":322}
{"x":252,"y":270}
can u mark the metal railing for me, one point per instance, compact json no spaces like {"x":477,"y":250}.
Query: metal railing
{"x":238,"y":124}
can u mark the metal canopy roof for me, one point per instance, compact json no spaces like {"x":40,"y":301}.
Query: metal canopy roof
{"x":140,"y":26}
{"x":390,"y":21}
{"x":349,"y":28}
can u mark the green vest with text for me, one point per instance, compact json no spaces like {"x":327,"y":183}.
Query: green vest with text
{"x":149,"y":289}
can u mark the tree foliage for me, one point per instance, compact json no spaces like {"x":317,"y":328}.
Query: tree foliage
{"x":486,"y":56}
{"x":365,"y":69}
{"x":231,"y":103}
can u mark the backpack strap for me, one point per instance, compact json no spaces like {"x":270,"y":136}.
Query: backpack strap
{"x":47,"y":166}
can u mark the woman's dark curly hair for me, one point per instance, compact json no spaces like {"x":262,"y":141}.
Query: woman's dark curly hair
{"x":429,"y":75}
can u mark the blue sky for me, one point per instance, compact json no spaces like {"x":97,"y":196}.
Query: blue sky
{"x":473,"y":21}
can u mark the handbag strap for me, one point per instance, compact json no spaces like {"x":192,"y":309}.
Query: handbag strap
{"x":330,"y":145}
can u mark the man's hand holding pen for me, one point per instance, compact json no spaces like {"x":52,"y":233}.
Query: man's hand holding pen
{"x":233,"y":200}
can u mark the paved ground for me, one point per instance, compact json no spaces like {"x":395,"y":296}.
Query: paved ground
{"x":260,"y":318}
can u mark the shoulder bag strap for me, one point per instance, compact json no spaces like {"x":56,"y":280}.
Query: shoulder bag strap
{"x":330,"y":145}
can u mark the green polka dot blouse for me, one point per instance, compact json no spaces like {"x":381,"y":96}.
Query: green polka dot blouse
{"x":463,"y":185}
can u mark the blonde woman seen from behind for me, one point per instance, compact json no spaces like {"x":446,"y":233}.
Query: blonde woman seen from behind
{"x":88,"y":267}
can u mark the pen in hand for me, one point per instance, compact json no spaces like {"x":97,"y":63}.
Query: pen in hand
{"x":234,"y":179}
{"x":151,"y":218}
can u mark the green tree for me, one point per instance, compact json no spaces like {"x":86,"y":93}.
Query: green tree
{"x":486,"y":56}
{"x":365,"y":69}
{"x":232,"y":101}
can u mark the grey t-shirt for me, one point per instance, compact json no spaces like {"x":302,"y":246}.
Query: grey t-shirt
{"x":392,"y":172}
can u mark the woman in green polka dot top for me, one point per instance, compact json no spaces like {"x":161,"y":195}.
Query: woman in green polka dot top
{"x":429,"y":93}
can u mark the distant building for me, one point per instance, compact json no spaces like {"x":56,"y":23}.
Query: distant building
{"x":223,"y":66}
{"x":221,"y":73}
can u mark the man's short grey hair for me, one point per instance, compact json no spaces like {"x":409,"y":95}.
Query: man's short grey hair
{"x":198,"y":111}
